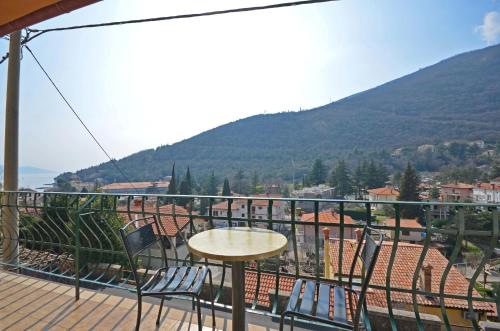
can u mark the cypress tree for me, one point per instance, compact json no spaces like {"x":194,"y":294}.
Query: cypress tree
{"x":226,"y":189}
{"x":409,"y":191}
{"x":318,"y":173}
{"x":172,"y":186}
{"x":340,"y":179}
{"x":255,"y":183}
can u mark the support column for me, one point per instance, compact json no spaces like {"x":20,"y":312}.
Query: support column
{"x":10,"y":217}
{"x":238,"y":295}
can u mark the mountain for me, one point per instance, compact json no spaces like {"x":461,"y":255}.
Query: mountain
{"x":458,"y":98}
{"x":27,"y":170}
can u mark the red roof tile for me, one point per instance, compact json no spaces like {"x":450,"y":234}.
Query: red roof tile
{"x":389,"y":191}
{"x":166,"y":221}
{"x":407,"y":256}
{"x":267,"y":283}
{"x":406,"y":223}
{"x":462,"y":186}
{"x":327,"y":216}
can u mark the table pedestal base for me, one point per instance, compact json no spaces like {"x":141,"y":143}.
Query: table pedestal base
{"x":238,"y":296}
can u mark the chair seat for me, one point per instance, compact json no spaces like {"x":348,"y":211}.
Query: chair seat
{"x":314,"y":299}
{"x":176,"y":280}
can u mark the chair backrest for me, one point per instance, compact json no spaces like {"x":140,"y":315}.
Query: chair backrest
{"x":367,"y":251}
{"x":138,"y":236}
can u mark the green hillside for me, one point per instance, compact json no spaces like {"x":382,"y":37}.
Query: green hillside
{"x":458,"y":98}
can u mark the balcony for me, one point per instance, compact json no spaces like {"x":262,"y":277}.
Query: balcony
{"x":68,"y":251}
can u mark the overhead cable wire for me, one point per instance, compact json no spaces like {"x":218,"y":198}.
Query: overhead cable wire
{"x":175,"y":17}
{"x":113,"y":161}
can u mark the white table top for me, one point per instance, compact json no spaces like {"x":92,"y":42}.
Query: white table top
{"x":237,"y":244}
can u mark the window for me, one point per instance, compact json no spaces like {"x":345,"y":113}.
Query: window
{"x":243,"y":215}
{"x":216,"y":213}
{"x":260,"y":207}
{"x":242,"y":206}
{"x":260,"y":217}
{"x":405,"y":232}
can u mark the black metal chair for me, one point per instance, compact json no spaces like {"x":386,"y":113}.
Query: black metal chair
{"x":167,"y":281}
{"x":318,"y":294}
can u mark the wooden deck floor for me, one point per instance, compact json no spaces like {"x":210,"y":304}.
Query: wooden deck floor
{"x":28,"y":303}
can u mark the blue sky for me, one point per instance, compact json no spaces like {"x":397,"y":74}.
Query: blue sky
{"x":141,"y":86}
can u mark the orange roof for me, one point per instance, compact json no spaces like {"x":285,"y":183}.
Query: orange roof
{"x":166,"y":221}
{"x":488,"y":186}
{"x":461,"y":186}
{"x":389,"y":191}
{"x":407,"y":256}
{"x":327,"y":216}
{"x":134,"y":185}
{"x":406,"y":223}
{"x":267,"y":283}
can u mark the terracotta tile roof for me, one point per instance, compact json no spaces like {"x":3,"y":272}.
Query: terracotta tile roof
{"x":327,"y":216}
{"x":134,"y":185}
{"x":407,"y":223}
{"x":267,"y":283}
{"x":389,"y":191}
{"x":461,"y":186}
{"x":488,"y":186}
{"x":407,"y":256}
{"x":167,"y":221}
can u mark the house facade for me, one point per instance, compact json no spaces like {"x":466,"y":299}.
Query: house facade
{"x":306,"y":232}
{"x":486,"y":193}
{"x":315,"y":192}
{"x":382,"y":194}
{"x":258,"y":211}
{"x":458,"y":192}
{"x":405,"y":235}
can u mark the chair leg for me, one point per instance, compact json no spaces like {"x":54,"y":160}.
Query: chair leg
{"x":139,"y":310}
{"x":200,"y":325}
{"x":212,"y":297}
{"x":282,"y":321}
{"x":159,"y":311}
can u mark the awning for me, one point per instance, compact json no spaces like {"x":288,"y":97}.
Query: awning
{"x":18,"y":14}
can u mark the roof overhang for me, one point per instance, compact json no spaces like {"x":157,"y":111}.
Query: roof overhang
{"x":18,"y":14}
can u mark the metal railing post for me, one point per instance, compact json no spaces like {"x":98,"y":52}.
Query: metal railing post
{"x":77,"y":257}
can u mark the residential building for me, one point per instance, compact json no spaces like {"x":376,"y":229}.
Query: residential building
{"x":314,"y":192}
{"x":404,"y":234}
{"x":172,"y":225}
{"x":402,"y":272}
{"x":457,"y":192}
{"x":136,"y":187}
{"x":258,"y":210}
{"x":306,"y":233}
{"x":387,"y":193}
{"x":486,"y":193}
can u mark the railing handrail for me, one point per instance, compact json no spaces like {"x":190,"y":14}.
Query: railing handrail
{"x":270,"y":198}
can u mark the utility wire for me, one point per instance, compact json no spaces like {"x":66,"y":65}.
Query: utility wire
{"x":182,"y":16}
{"x":113,"y":161}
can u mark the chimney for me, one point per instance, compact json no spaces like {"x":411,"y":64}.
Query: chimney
{"x":427,"y":277}
{"x":358,"y":232}
{"x":326,"y":252}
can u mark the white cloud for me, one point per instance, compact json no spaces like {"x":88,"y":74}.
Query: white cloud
{"x":490,"y":29}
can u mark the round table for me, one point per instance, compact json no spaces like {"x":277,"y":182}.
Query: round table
{"x":237,"y":245}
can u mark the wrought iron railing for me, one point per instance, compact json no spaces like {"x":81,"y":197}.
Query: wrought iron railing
{"x":73,"y":236}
